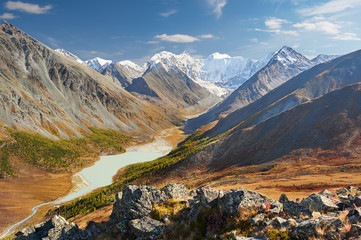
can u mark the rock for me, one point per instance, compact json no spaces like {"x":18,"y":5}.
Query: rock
{"x":355,"y":231}
{"x":176,"y":191}
{"x":283,"y":198}
{"x":279,"y":222}
{"x":354,"y":216}
{"x":56,"y":228}
{"x":136,"y":202}
{"x":317,"y":228}
{"x":295,"y":209}
{"x":147,"y":228}
{"x":258,"y":218}
{"x":208,"y":197}
{"x":291,"y":222}
{"x":319,"y":203}
{"x":235,"y":199}
{"x":342,"y":191}
{"x":357,"y":200}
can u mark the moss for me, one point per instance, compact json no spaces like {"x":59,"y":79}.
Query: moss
{"x":169,"y":208}
{"x":274,"y":234}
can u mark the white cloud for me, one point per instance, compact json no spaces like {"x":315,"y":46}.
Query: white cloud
{"x":179,"y":38}
{"x":206,"y":36}
{"x":319,"y":25}
{"x":27,"y":7}
{"x":167,"y":14}
{"x":7,"y":16}
{"x":275,"y":23}
{"x":279,"y":31}
{"x":254,"y":40}
{"x":347,"y":37}
{"x":153,"y":42}
{"x":332,"y":6}
{"x":217,"y":6}
{"x":274,"y":26}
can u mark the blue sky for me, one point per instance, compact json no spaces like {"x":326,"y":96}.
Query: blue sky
{"x":137,"y":29}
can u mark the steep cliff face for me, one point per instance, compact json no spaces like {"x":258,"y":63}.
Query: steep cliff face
{"x":45,"y":92}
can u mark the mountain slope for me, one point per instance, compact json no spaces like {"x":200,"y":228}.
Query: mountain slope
{"x":171,"y":88}
{"x":283,"y":65}
{"x":123,"y":72}
{"x":329,"y":122}
{"x":42,"y":91}
{"x":308,"y":85}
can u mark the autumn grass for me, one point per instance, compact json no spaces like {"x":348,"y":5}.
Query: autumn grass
{"x":58,"y":155}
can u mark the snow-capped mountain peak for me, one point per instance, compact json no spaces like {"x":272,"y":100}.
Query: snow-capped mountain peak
{"x":323,"y":58}
{"x":218,"y":55}
{"x":131,"y":65}
{"x":290,"y":58}
{"x":98,"y":64}
{"x":69,"y":55}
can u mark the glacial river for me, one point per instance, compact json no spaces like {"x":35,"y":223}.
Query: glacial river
{"x":101,"y":173}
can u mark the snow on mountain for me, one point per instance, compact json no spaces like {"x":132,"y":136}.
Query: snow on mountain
{"x":323,"y":58}
{"x":188,"y":65}
{"x":69,"y":55}
{"x":133,"y":69}
{"x":98,"y":64}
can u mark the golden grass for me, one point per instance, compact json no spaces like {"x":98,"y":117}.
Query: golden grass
{"x":20,"y":194}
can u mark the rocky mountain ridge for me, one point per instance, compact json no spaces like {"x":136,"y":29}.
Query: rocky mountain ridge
{"x":173,"y":212}
{"x":45,"y":92}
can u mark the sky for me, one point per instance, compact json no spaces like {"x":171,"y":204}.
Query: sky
{"x":137,"y":29}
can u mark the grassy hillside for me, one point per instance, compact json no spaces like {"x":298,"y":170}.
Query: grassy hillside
{"x":58,"y":155}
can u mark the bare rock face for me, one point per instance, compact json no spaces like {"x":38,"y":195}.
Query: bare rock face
{"x":136,"y":202}
{"x":208,"y":197}
{"x":176,"y":191}
{"x":235,"y":199}
{"x":317,"y":227}
{"x":319,"y":203}
{"x":147,"y":228}
{"x":57,"y":228}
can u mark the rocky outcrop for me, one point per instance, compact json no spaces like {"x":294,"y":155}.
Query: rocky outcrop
{"x":136,"y":202}
{"x":56,"y":228}
{"x":172,"y":212}
{"x":242,"y":198}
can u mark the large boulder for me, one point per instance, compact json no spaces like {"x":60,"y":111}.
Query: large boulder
{"x":295,"y":209}
{"x":323,"y":227}
{"x":176,"y":191}
{"x":56,"y":228}
{"x":235,"y":199}
{"x":136,"y":202}
{"x":319,"y":203}
{"x":208,"y":197}
{"x":147,"y":228}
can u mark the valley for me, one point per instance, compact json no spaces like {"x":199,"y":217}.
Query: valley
{"x":81,"y":134}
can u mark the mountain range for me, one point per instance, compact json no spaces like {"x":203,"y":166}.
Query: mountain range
{"x":45,"y":92}
{"x":317,"y":109}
